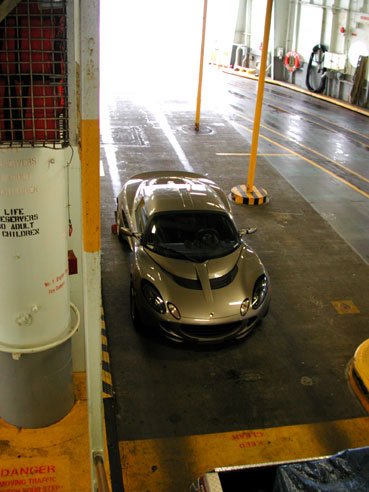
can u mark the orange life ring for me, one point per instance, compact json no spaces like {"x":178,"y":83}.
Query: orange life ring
{"x":292,"y":61}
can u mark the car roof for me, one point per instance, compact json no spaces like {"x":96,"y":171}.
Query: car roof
{"x":177,"y":193}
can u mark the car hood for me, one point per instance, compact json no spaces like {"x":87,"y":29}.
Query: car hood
{"x":212,"y":290}
{"x":187,"y":269}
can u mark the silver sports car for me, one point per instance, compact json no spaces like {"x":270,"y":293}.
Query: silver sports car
{"x":192,"y":275}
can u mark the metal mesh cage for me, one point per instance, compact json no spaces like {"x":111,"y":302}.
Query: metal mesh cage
{"x":33,"y":75}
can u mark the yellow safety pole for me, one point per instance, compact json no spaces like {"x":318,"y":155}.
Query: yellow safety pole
{"x":199,"y":87}
{"x":249,"y":194}
{"x":259,"y":99}
{"x":91,"y":260}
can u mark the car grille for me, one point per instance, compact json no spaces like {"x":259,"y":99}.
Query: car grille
{"x":215,"y":283}
{"x":203,"y":331}
{"x":209,"y":331}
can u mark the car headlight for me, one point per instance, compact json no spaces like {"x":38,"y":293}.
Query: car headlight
{"x":244,"y":306}
{"x":153,"y":297}
{"x":260,"y":291}
{"x":174,"y":311}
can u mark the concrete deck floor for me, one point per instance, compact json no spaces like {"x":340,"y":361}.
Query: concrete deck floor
{"x":293,"y":371}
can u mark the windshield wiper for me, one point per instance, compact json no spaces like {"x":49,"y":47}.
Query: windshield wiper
{"x":157,"y":248}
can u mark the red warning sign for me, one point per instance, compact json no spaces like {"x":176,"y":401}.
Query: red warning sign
{"x":249,"y":439}
{"x":34,"y":475}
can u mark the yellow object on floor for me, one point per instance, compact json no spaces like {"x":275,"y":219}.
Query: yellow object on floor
{"x":359,"y":374}
{"x":361,"y":363}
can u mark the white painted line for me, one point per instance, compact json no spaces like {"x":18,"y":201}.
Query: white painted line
{"x":102,"y":172}
{"x":161,"y":119}
{"x":109,"y":148}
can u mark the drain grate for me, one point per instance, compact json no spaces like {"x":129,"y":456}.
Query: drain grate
{"x":203,"y":130}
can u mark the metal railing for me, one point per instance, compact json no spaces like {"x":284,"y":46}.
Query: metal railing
{"x":33,"y":75}
{"x":102,"y":481}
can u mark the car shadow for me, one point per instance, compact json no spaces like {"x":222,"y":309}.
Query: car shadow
{"x":153,"y":338}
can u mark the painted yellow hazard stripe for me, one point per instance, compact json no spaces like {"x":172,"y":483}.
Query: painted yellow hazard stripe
{"x":231,"y":154}
{"x":240,"y":194}
{"x":106,"y":371}
{"x":90,"y":169}
{"x":257,"y":193}
{"x":105,"y":356}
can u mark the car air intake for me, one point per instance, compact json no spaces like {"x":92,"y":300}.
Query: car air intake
{"x":215,"y":283}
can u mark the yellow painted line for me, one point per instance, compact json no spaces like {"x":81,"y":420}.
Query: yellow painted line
{"x":307,"y":148}
{"x":90,"y":170}
{"x":337,"y":102}
{"x":319,"y":124}
{"x":172,"y":464}
{"x":227,"y":154}
{"x":308,"y":160}
{"x":326,"y":120}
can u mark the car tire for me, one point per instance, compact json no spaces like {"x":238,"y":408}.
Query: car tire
{"x":135,"y":315}
{"x":119,"y":225}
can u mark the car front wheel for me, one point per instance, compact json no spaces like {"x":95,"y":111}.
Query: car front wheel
{"x":135,"y":315}
{"x":119,"y":225}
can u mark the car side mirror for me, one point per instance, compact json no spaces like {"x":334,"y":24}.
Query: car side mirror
{"x":249,"y":230}
{"x":127,"y":232}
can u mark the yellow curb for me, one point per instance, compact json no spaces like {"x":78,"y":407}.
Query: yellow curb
{"x":295,"y":88}
{"x":108,"y":391}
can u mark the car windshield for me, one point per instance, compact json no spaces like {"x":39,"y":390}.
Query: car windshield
{"x":196,"y":236}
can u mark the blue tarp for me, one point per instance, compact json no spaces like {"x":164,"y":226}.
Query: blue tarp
{"x":347,"y":471}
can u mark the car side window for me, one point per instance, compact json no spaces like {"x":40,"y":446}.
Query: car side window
{"x":141,"y":216}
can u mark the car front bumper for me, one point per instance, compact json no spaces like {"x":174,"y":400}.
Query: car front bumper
{"x":205,"y":331}
{"x":215,"y":333}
